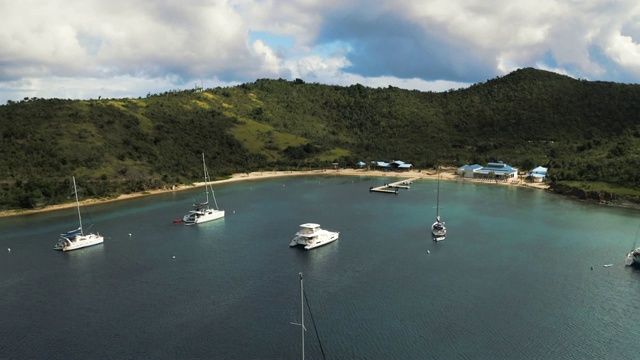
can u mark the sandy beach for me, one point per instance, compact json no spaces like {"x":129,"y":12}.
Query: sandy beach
{"x":445,"y":174}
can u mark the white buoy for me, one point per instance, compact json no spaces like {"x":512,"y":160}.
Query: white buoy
{"x":129,"y":234}
{"x":428,"y":251}
{"x":174,"y":256}
{"x":9,"y":249}
{"x":234,"y":211}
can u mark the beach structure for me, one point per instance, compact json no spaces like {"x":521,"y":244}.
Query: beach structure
{"x":538,"y":174}
{"x":395,"y":165}
{"x":380,"y":165}
{"x":393,"y":187}
{"x":498,"y":170}
{"x":399,"y":165}
{"x":493,"y":171}
{"x":466,"y":171}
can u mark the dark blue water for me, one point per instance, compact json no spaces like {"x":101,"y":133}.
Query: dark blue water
{"x":513,"y":280}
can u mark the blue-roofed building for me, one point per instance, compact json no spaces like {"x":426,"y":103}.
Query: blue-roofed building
{"x":466,"y":171}
{"x":395,"y":165}
{"x":538,"y":174}
{"x":399,"y":165}
{"x":405,"y":167}
{"x":497,"y":170}
{"x":381,"y":165}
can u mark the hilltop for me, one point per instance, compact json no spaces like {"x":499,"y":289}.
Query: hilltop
{"x":587,"y":133}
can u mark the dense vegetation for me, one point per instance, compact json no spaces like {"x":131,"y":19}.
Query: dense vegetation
{"x":584,"y":131}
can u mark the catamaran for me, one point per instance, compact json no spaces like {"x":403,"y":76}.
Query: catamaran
{"x":438,"y":229}
{"x":76,"y":239}
{"x":311,"y":236}
{"x":202,"y":212}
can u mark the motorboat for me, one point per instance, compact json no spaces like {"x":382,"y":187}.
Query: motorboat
{"x":77,"y":239}
{"x":311,"y":236}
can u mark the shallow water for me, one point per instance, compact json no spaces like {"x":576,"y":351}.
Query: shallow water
{"x":513,"y":279}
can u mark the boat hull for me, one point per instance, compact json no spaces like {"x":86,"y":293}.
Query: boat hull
{"x":199,"y":217}
{"x":79,"y":242}
{"x":633,"y":258}
{"x":439,"y":231}
{"x":316,"y":241}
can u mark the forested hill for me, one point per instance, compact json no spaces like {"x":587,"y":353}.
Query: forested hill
{"x":584,"y":131}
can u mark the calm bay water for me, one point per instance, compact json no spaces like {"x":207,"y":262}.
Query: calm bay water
{"x":513,"y":280}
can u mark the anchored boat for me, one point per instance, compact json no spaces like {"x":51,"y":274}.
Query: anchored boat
{"x":311,"y":236}
{"x":77,"y":239}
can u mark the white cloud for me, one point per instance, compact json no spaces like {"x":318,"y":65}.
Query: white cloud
{"x":73,"y":48}
{"x":270,"y":62}
{"x":625,"y":51}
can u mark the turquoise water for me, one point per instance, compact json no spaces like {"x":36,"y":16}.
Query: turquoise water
{"x":513,"y":280}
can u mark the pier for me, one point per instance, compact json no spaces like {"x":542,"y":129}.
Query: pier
{"x":393,"y":187}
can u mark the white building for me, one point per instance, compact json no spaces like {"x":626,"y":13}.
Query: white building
{"x":497,"y":170}
{"x":466,"y":171}
{"x":538,"y":174}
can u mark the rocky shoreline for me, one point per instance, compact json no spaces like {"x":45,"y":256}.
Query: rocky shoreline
{"x":598,"y":197}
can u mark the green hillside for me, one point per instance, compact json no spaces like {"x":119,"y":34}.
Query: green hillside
{"x":584,"y":131}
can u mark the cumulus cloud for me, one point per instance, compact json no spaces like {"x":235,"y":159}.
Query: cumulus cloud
{"x":76,"y":49}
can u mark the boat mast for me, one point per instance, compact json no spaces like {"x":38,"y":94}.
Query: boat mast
{"x":301,"y":324}
{"x":302,"y":329}
{"x":206,"y":183}
{"x":635,"y":241}
{"x":438,"y":198}
{"x":208,"y":186}
{"x":75,"y":190}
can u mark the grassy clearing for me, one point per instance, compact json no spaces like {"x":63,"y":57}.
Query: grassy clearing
{"x":257,"y":137}
{"x":333,"y":154}
{"x":201,"y":104}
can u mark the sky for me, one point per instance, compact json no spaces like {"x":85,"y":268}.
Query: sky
{"x":85,"y":49}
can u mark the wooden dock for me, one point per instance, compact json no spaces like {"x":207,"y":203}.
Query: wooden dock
{"x":393,"y":187}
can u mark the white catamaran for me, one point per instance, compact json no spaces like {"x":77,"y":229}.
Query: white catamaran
{"x":438,"y":229}
{"x":77,"y":239}
{"x":311,"y":236}
{"x":202,"y":212}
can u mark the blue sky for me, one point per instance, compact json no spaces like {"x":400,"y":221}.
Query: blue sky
{"x":81,"y":49}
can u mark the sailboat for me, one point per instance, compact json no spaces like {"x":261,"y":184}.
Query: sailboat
{"x":633,"y":257}
{"x":77,"y":239}
{"x":301,"y":324}
{"x":438,"y":229}
{"x":202,"y":212}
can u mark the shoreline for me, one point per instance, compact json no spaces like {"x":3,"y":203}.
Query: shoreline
{"x":445,"y":174}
